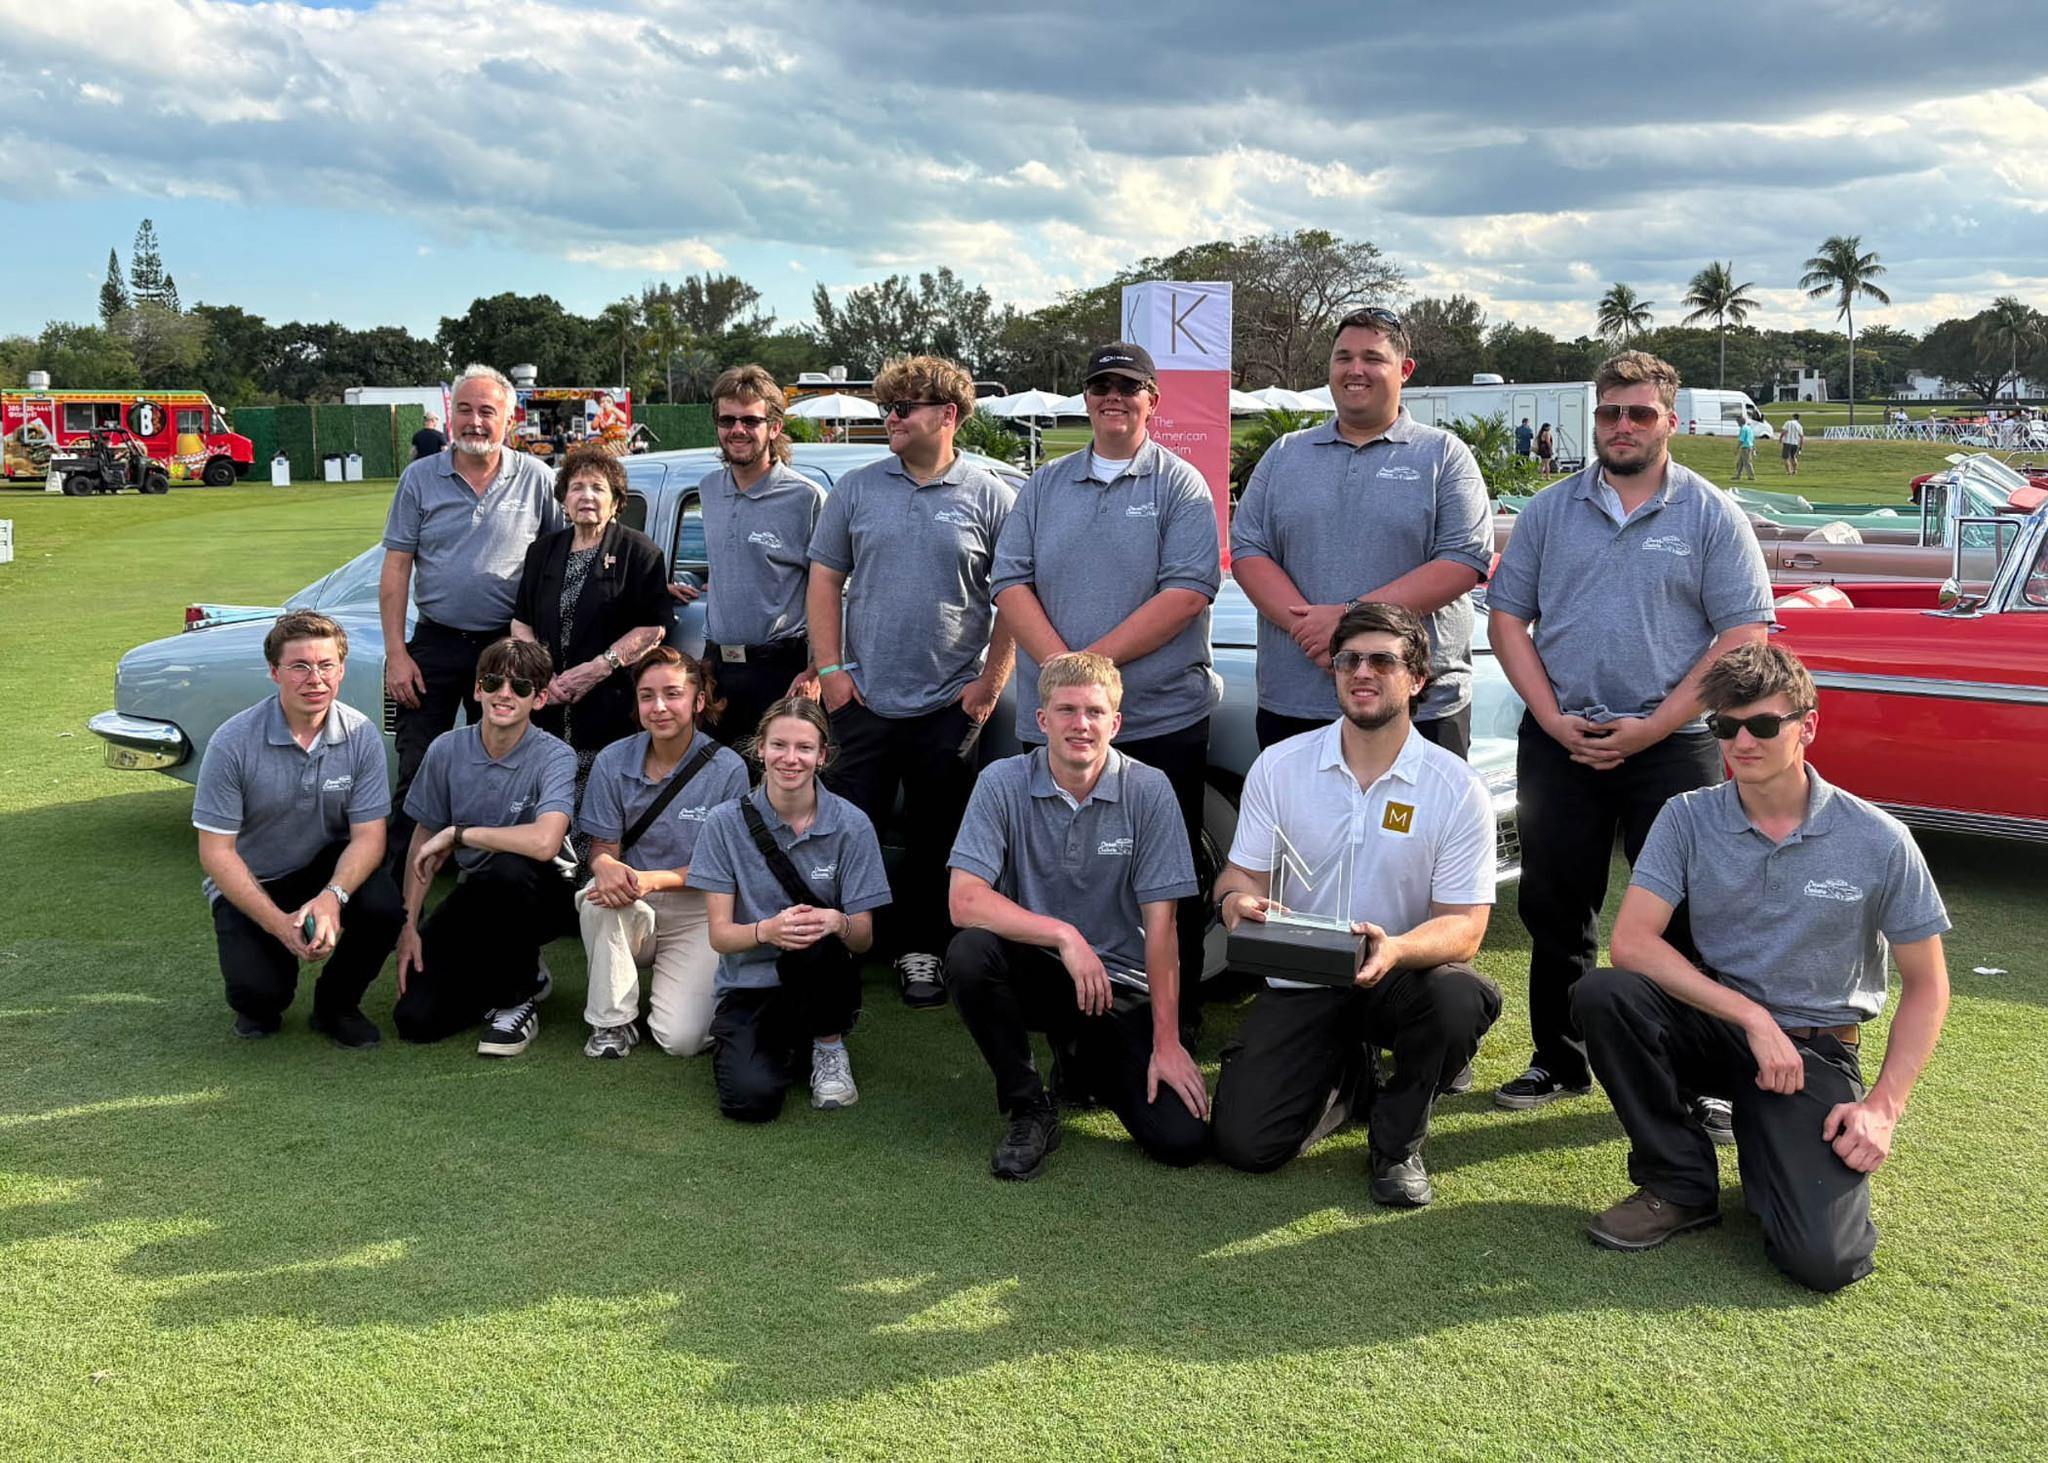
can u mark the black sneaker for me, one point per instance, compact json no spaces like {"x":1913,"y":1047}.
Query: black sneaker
{"x":1534,"y":1088}
{"x":351,"y":1029}
{"x":250,"y":1029}
{"x":509,"y":1032}
{"x":1033,"y":1134}
{"x":923,"y":979}
{"x":1459,"y":1085}
{"x":1403,"y":1185}
{"x":1716,"y":1117}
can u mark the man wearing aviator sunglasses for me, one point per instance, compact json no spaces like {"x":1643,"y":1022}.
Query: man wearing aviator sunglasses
{"x":1619,"y":587}
{"x":496,"y":797}
{"x":1798,"y":889}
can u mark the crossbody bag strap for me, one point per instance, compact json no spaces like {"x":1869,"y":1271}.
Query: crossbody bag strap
{"x":778,"y":862}
{"x":667,"y":795}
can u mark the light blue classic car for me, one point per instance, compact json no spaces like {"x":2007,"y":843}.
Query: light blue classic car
{"x":170,"y":694}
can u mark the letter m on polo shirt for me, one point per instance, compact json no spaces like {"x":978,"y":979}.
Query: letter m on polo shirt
{"x":1399,"y":818}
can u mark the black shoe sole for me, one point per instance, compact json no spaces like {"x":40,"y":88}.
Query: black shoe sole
{"x":924,"y":1003}
{"x":255,"y":1033}
{"x":321,"y":1028}
{"x":1525,"y":1104}
{"x":1400,"y":1198}
{"x":1610,"y":1242}
{"x":1025,"y":1177}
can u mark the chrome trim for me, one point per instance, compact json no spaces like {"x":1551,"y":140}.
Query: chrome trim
{"x":1940,"y":687}
{"x":1948,"y":820}
{"x":136,"y":744}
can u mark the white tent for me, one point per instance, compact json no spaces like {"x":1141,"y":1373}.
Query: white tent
{"x":1285,"y":400}
{"x":837,"y":407}
{"x":1070,"y":406}
{"x":1244,"y":404}
{"x":1319,"y":399}
{"x":1021,"y":404}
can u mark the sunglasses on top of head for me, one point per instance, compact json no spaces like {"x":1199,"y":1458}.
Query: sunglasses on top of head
{"x":1764,"y":727}
{"x":1608,"y":414}
{"x":494,"y":683}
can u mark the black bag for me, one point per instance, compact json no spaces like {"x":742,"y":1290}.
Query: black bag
{"x":667,"y":795}
{"x":778,"y":862}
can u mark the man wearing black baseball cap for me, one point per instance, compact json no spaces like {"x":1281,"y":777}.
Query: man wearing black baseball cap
{"x":1114,"y":550}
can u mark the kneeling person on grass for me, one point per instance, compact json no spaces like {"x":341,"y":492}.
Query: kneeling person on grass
{"x":643,"y":807}
{"x":290,"y":809}
{"x":790,"y":874}
{"x":1065,"y":876}
{"x":1417,"y":826}
{"x":1796,"y":888}
{"x":497,"y":797}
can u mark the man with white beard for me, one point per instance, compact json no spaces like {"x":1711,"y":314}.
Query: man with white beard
{"x":456,"y":537}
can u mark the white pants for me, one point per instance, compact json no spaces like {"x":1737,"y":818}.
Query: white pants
{"x":670,"y":930}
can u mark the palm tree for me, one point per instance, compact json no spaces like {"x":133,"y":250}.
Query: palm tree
{"x":1843,"y":270}
{"x":619,"y":324}
{"x":1622,"y":316}
{"x":1252,"y":443}
{"x":2017,"y":324}
{"x":666,"y":334}
{"x":1714,"y":295}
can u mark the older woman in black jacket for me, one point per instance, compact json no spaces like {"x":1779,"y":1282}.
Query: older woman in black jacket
{"x":596,"y":595}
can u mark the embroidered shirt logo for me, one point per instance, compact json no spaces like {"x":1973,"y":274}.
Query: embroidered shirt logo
{"x":1399,"y":818}
{"x":1399,"y":473}
{"x":1114,"y":848}
{"x":1668,"y":543}
{"x":339,"y":784}
{"x":957,"y":516}
{"x":767,"y":538}
{"x":1142,"y":510}
{"x":1840,"y":890}
{"x":824,"y":871}
{"x":695,"y":814}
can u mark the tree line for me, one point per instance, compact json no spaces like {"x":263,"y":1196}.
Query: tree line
{"x":670,"y":340}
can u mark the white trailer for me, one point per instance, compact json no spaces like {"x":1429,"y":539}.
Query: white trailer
{"x":1566,"y":405}
{"x":1704,"y":412}
{"x":431,"y":399}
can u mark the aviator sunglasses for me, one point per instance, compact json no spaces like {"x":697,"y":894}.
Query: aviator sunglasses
{"x":1383,"y":662}
{"x":494,"y":683}
{"x":1763,"y":727}
{"x":1607,"y":414}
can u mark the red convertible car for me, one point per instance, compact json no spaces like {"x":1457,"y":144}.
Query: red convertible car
{"x":1934,"y":697}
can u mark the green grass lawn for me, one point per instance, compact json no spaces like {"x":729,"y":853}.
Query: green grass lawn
{"x":211,"y":1248}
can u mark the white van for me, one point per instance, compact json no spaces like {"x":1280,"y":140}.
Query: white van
{"x":1707,"y":413}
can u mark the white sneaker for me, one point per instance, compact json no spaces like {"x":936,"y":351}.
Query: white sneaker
{"x":611,"y":1041}
{"x":509,"y":1032}
{"x":832,"y":1077}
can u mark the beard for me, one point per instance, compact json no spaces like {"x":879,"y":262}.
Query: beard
{"x":476,"y":446}
{"x":745,"y":455}
{"x":1630,"y":461}
{"x":1374,"y":720}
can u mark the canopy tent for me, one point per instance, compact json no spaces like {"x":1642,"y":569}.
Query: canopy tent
{"x":1285,"y":400}
{"x":1319,"y":399}
{"x":1021,"y":404}
{"x":837,"y":407}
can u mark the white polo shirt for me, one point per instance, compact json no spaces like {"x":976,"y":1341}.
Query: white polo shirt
{"x":1423,"y":832}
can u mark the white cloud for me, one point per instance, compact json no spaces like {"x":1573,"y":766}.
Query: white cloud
{"x":672,"y":255}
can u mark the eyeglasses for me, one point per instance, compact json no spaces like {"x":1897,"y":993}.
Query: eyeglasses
{"x":905,"y":408}
{"x":300,"y":670}
{"x":1764,"y":727}
{"x":494,"y":683}
{"x":1383,"y":662}
{"x":1607,"y":414}
{"x":1115,"y":386}
{"x":750,"y":422}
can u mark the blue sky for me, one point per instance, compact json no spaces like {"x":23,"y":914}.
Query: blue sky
{"x":385,"y":163}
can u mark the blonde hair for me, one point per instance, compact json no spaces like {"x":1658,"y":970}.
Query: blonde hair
{"x":1081,"y":668}
{"x":926,"y":378}
{"x":1639,"y":368}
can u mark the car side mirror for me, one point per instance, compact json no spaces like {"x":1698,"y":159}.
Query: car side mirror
{"x":1950,"y":594}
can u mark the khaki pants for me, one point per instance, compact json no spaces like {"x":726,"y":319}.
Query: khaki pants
{"x":1745,"y":462}
{"x":669,"y":930}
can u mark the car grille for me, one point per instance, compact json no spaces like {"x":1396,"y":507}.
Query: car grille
{"x":390,"y":716}
{"x":1508,"y":845}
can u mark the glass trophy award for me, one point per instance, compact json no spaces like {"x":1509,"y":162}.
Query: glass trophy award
{"x":1293,"y":944}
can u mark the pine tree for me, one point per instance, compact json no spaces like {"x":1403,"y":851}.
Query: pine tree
{"x":146,"y":267}
{"x":169,"y":298}
{"x":113,"y":293}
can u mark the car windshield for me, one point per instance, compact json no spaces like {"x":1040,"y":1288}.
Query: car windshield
{"x":354,"y":583}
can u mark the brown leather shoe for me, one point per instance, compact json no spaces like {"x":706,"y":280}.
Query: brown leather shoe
{"x":1643,"y":1221}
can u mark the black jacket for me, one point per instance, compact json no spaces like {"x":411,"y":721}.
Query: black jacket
{"x":627,"y":587}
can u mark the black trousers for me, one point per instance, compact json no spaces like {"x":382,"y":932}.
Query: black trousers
{"x":1648,"y":1048}
{"x":1453,"y":733}
{"x":1568,"y":815}
{"x":447,"y":661}
{"x":1297,"y":1048}
{"x":262,"y":975}
{"x":481,"y":945}
{"x":1006,"y":991}
{"x":932,"y":759}
{"x":751,"y":686}
{"x":1184,"y":757}
{"x":761,"y":1037}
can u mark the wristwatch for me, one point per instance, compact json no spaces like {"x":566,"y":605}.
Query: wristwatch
{"x":340,"y":894}
{"x":456,"y":839}
{"x":611,"y":658}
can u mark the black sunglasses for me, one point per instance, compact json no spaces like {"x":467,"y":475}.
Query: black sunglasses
{"x":905,"y":408}
{"x":1764,"y":727}
{"x":494,"y":683}
{"x":751,"y":423}
{"x":1372,"y":317}
{"x":1607,"y":414}
{"x":1115,"y":386}
{"x":1383,"y":662}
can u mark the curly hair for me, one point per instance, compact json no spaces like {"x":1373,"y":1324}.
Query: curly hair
{"x":927,"y":378}
{"x":594,"y":459}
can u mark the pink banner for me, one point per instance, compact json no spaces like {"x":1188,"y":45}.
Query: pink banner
{"x":1193,"y":420}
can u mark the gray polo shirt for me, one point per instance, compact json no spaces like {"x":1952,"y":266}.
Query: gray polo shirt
{"x":1092,"y":864}
{"x":1621,"y":611}
{"x":758,"y":542}
{"x":1800,"y":927}
{"x":618,"y":792}
{"x":459,"y":782}
{"x":1344,"y":519}
{"x":1093,"y":552}
{"x":837,"y":856}
{"x":918,"y":609}
{"x":468,"y":548}
{"x":282,"y":802}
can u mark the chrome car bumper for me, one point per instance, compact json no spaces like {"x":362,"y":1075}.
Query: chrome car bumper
{"x":137,"y":744}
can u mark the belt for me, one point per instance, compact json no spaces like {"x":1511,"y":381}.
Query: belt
{"x":793,"y":650}
{"x":1847,"y":1035}
{"x":475,"y":637}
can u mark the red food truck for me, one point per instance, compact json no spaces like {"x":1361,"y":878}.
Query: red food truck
{"x":181,"y":430}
